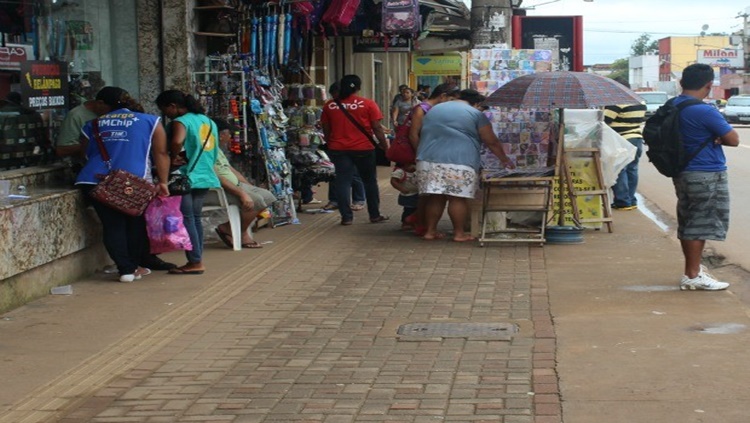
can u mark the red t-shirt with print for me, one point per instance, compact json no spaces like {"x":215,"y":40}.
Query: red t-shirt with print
{"x":343,"y":134}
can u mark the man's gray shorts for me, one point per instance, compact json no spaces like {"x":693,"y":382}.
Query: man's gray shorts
{"x":702,"y":205}
{"x":262,"y":198}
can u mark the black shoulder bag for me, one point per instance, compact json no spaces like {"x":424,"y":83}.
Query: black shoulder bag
{"x":354,"y":121}
{"x":178,"y":183}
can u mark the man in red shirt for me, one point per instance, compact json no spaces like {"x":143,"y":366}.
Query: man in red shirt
{"x":349,"y":135}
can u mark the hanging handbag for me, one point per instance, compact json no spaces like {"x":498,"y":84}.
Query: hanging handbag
{"x":178,"y":183}
{"x":354,"y":122}
{"x":119,"y":189}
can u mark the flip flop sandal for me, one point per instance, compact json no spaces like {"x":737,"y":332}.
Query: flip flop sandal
{"x":182,"y":271}
{"x":358,"y":207}
{"x":254,"y":244}
{"x":224,"y":238}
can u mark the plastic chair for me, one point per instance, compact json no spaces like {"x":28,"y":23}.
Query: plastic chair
{"x":216,"y":199}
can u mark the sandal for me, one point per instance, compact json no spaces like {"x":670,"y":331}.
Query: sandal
{"x":252,"y":244}
{"x":183,"y":271}
{"x":379,"y":219}
{"x":357,"y":207}
{"x":330,"y":206}
{"x":224,"y":237}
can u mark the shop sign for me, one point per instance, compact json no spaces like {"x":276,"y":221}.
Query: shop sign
{"x":437,"y":65}
{"x":44,"y":85}
{"x":378,"y":45}
{"x":722,"y":58}
{"x":12,"y":55}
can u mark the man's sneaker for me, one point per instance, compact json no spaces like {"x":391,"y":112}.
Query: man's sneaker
{"x":156,"y":263}
{"x":110,"y":269}
{"x":704,"y":281}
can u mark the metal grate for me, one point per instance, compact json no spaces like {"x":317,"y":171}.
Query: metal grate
{"x":499,"y":331}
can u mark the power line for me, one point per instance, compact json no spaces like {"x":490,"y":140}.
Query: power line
{"x":693,"y":34}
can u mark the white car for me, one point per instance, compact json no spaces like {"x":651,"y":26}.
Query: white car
{"x":737,"y":109}
{"x":653,"y":100}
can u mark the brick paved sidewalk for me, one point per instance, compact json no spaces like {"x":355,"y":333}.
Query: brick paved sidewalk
{"x":306,"y":332}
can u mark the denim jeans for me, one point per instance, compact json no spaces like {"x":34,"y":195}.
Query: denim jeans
{"x":191,"y":208}
{"x":627,"y":180}
{"x":347,"y":164}
{"x":358,"y":190}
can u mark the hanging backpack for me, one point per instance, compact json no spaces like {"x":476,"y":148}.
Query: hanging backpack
{"x":401,"y":17}
{"x":319,"y":9}
{"x":664,"y":140}
{"x":340,"y":14}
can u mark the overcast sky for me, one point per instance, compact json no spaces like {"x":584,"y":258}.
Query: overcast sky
{"x":611,"y":26}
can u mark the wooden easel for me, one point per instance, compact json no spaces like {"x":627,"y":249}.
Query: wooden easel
{"x":599,"y":189}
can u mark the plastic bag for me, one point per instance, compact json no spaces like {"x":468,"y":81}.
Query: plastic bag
{"x":585,"y":129}
{"x":166,"y":232}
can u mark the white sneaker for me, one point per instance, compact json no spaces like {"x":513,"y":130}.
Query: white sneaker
{"x":139,"y":273}
{"x":129,"y":278}
{"x":704,"y":281}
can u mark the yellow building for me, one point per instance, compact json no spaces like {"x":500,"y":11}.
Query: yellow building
{"x":675,"y":53}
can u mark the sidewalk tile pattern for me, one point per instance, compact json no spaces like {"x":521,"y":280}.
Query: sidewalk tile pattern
{"x":314,"y":340}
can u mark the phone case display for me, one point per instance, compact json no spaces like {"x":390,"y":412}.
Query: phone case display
{"x":490,"y":69}
{"x":223,"y":96}
{"x":302,"y":92}
{"x":272,"y":124}
{"x":528,"y":139}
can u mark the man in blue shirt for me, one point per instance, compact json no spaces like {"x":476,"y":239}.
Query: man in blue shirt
{"x":702,"y":188}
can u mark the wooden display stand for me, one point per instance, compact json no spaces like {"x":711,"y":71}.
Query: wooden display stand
{"x":599,"y":189}
{"x":531,"y":194}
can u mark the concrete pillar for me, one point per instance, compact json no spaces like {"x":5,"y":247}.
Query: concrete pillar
{"x":491,"y":23}
{"x":149,"y":53}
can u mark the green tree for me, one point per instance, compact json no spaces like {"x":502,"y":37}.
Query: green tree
{"x":643,"y":45}
{"x":620,"y":69}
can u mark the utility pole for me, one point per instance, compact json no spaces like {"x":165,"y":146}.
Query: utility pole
{"x":745,"y":52}
{"x":491,"y":22}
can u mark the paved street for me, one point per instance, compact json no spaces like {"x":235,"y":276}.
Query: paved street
{"x":305,"y":330}
{"x":660,"y":192}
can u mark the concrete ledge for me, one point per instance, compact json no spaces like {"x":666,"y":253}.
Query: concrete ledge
{"x":50,"y":239}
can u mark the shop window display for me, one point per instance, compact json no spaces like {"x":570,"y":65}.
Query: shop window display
{"x":57,"y":54}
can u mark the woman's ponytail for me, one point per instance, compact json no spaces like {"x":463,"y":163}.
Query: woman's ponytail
{"x":349,"y":85}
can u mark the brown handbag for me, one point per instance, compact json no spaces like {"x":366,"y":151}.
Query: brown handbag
{"x":119,"y":189}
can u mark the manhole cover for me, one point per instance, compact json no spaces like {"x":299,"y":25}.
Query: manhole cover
{"x":501,"y":331}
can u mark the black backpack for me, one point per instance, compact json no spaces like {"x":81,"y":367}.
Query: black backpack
{"x":664,"y":140}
